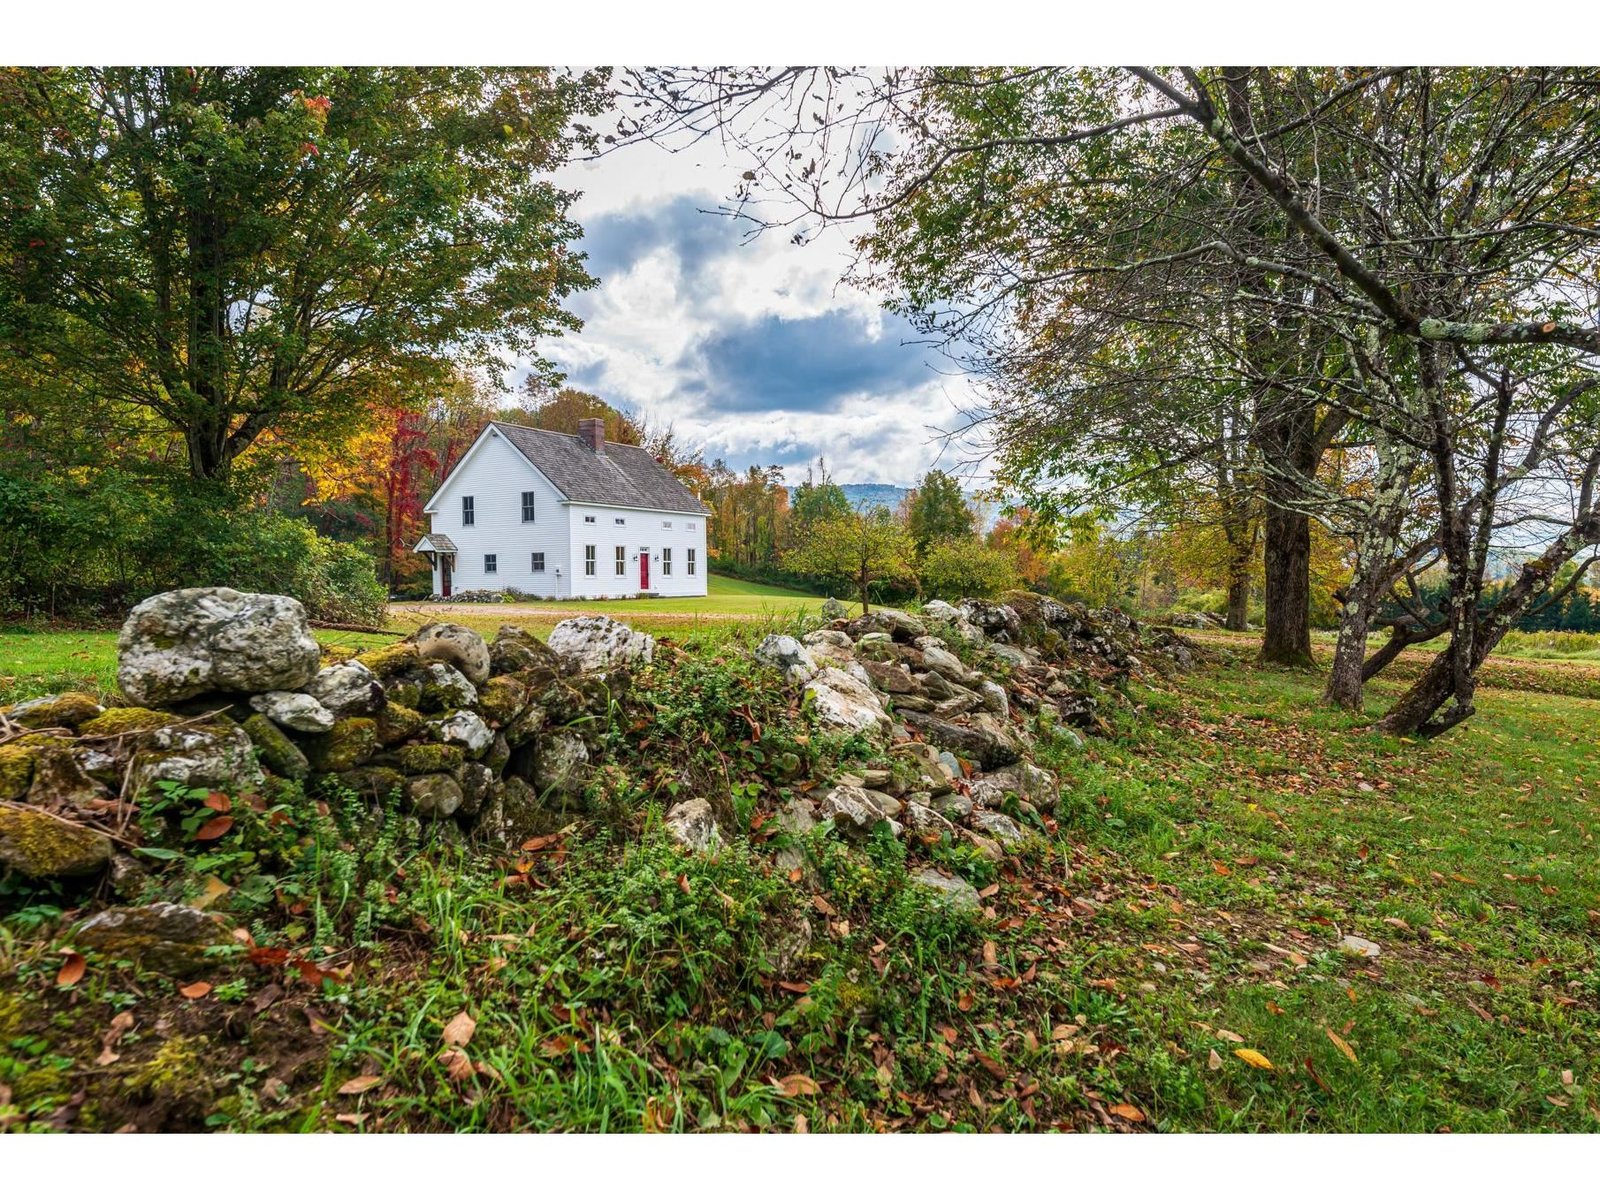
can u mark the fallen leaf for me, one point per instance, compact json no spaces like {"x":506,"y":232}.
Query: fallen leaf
{"x":459,"y":1030}
{"x":213,"y":829}
{"x":1229,"y":1035}
{"x":361,"y":1083}
{"x":350,"y":1118}
{"x":195,"y":991}
{"x":1215,"y":1061}
{"x":798,"y":1085}
{"x":799,"y":989}
{"x":120,"y":1024}
{"x":1255,"y":1058}
{"x":72,"y":969}
{"x":1344,"y":1046}
{"x":457,"y":1066}
{"x":218,"y":802}
{"x":1127,"y":1112}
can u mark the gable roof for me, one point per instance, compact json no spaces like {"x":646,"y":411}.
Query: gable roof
{"x":623,"y":476}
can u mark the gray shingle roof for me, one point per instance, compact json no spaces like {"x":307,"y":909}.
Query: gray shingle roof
{"x":624,"y":475}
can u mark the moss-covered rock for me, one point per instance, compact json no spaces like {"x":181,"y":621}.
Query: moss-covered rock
{"x":445,"y":688}
{"x":41,"y":846}
{"x":179,"y":1071}
{"x":278,"y":754}
{"x":372,"y":782}
{"x":397,"y":723}
{"x":351,"y":742}
{"x":429,"y":759}
{"x":502,"y":699}
{"x":405,"y":691}
{"x":515,"y":650}
{"x":114,"y":722}
{"x":433,"y":797}
{"x":61,"y":784}
{"x":389,"y":661}
{"x":66,"y":711}
{"x":170,"y":938}
{"x":498,"y":754}
{"x":16,"y":770}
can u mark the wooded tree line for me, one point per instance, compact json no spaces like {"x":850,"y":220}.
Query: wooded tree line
{"x":1363,"y":299}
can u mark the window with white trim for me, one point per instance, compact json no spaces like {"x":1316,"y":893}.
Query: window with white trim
{"x":588,"y":520}
{"x":588,"y":560}
{"x":538,"y":561}
{"x":468,"y":511}
{"x":666,"y":560}
{"x":491,"y":563}
{"x":666,"y":524}
{"x":622,"y":560}
{"x":690,"y":564}
{"x":619,"y":520}
{"x":527,"y":506}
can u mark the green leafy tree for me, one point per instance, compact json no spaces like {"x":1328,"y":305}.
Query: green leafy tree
{"x":953,"y":569}
{"x":814,"y":502}
{"x":861,"y":548}
{"x":937,"y":511}
{"x":243,"y":252}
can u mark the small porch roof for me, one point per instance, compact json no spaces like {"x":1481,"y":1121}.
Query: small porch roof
{"x":435,"y":543}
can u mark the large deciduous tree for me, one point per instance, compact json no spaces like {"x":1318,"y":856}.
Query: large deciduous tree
{"x":238,"y":251}
{"x":861,"y":549}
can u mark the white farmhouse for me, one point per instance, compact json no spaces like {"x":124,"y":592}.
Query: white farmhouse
{"x":563,"y":517}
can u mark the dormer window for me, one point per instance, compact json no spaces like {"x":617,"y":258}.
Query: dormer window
{"x":468,"y":514}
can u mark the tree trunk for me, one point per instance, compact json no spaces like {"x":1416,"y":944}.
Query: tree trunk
{"x":1238,"y":614}
{"x":1349,"y":655}
{"x":1286,"y":638}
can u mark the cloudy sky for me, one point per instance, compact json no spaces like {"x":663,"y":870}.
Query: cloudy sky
{"x":752,"y":350}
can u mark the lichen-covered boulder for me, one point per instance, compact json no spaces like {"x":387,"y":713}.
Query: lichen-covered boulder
{"x":502,"y":699}
{"x":444,"y":687}
{"x":430,"y":758}
{"x":388,"y":661}
{"x":477,"y":788}
{"x":901,"y":626}
{"x":841,"y":701}
{"x":692,"y":825}
{"x":41,"y":846}
{"x":788,"y":655}
{"x":433,"y":797}
{"x":998,"y":826}
{"x":599,"y":644}
{"x":460,"y":647}
{"x":397,"y":723}
{"x":347,"y":689}
{"x":463,"y":728}
{"x":65,"y":711}
{"x":196,"y":640}
{"x":859,"y":811}
{"x":515,"y":650}
{"x":217,"y":754}
{"x":373,"y":782}
{"x":950,"y":890}
{"x":563,"y":764}
{"x":278,"y":754}
{"x":294,"y":710}
{"x":980,"y":737}
{"x":170,"y":938}
{"x":351,"y":742}
{"x":834,"y":610}
{"x":998,"y":621}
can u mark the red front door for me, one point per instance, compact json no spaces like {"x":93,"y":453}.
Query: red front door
{"x":644,"y":570}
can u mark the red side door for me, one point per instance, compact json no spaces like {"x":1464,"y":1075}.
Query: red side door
{"x":644,"y":570}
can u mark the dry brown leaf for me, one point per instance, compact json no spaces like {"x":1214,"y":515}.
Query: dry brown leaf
{"x":361,"y":1083}
{"x":1215,"y":1061}
{"x":798,"y":1085}
{"x":72,"y":969}
{"x":459,"y":1030}
{"x":195,"y":991}
{"x":1127,"y":1112}
{"x":1229,"y":1035}
{"x":120,"y":1024}
{"x":1344,"y":1046}
{"x":213,"y":829}
{"x":457,"y":1066}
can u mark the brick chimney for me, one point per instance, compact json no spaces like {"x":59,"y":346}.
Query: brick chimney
{"x":592,"y":432}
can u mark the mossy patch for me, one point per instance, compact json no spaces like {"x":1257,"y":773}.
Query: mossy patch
{"x":117,"y":721}
{"x":16,"y":770}
{"x":44,"y":847}
{"x":397,"y":723}
{"x":391,"y":660}
{"x":430,"y":759}
{"x":65,"y":711}
{"x":346,"y":746}
{"x":502,"y":699}
{"x":278,"y":754}
{"x":372,"y":782}
{"x":178,"y":1070}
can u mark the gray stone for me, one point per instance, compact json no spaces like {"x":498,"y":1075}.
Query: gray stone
{"x":433,"y":797}
{"x":477,"y":788}
{"x":924,"y":819}
{"x":463,"y":728}
{"x":1008,"y":654}
{"x":215,"y":755}
{"x":445,"y":687}
{"x":563,"y":763}
{"x":599,"y":644}
{"x":460,"y":647}
{"x":841,"y":701}
{"x":693,"y":826}
{"x":348,"y":689}
{"x":953,"y":891}
{"x":998,"y":826}
{"x":857,"y":811}
{"x":833,"y":610}
{"x":197,"y":640}
{"x":901,"y":626}
{"x":788,"y":655}
{"x":61,"y":782}
{"x":170,"y":938}
{"x":995,"y":699}
{"x":1359,"y":946}
{"x":837,"y":639}
{"x":293,"y":710}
